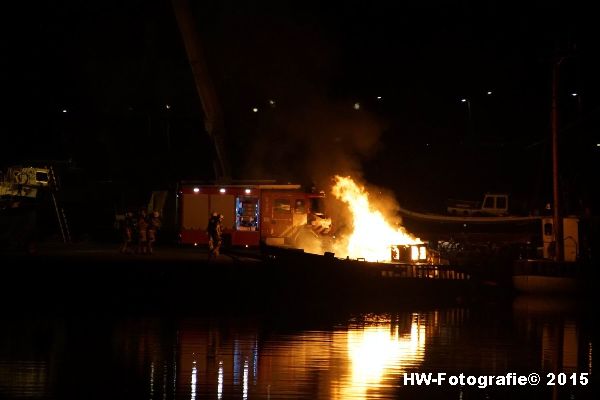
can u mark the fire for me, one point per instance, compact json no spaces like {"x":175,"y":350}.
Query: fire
{"x":372,"y":235}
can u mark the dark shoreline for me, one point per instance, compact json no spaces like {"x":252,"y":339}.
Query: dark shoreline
{"x":175,"y":279}
{"x":73,"y":276}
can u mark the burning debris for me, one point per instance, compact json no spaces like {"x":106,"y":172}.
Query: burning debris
{"x":372,"y":235}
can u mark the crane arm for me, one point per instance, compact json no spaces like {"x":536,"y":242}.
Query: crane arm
{"x":213,"y":119}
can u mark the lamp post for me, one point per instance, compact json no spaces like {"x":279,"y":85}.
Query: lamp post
{"x":577,"y":96}
{"x":168,"y":127}
{"x":469,"y":118}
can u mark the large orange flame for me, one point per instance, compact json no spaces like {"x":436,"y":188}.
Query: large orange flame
{"x":372,"y":236}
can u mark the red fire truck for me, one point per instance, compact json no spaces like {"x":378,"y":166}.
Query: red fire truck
{"x":253,"y":213}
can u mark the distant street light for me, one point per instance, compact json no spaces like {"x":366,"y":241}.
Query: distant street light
{"x":64,"y":110}
{"x":577,"y":97}
{"x":469,"y":118}
{"x":357,"y":106}
{"x":489,"y":92}
{"x":378,"y":97}
{"x":255,"y":109}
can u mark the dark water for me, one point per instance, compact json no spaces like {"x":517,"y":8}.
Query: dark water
{"x":342,"y":355}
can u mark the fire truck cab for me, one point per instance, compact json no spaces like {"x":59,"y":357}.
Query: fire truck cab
{"x":269,"y":213}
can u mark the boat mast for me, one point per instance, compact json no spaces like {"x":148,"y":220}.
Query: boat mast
{"x":558,"y":223}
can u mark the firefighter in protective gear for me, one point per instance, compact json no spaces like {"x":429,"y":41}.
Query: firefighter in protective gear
{"x":153,"y":226}
{"x":127,"y":230}
{"x":214,"y":231}
{"x":142,"y":225}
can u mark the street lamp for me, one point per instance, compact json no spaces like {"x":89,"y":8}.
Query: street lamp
{"x":577,"y":97}
{"x":168,"y":128}
{"x":469,"y":119}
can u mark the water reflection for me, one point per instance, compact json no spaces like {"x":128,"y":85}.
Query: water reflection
{"x":353,"y":356}
{"x":220,"y":381}
{"x":27,"y":378}
{"x":563,"y":337}
{"x":28,"y":358}
{"x":194,"y":373}
{"x":245,"y":389}
{"x":555,"y":321}
{"x":151,"y":381}
{"x":379,"y":353}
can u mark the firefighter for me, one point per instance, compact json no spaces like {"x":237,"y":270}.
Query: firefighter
{"x":153,"y":226}
{"x":142,"y":225}
{"x":214,"y":235}
{"x":127,"y":228}
{"x":219,"y":234}
{"x":210,"y":229}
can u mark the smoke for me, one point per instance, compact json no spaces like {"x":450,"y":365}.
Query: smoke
{"x":292,"y":70}
{"x":312,"y":244}
{"x":314,"y":141}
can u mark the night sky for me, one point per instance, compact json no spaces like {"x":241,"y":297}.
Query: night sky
{"x":114,"y":66}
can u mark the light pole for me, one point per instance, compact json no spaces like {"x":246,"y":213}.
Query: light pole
{"x":469,"y":118}
{"x":168,"y":127}
{"x":577,"y":96}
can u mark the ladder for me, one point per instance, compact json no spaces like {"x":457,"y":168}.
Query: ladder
{"x":60,"y":211}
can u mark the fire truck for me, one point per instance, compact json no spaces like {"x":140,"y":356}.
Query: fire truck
{"x":273,"y":214}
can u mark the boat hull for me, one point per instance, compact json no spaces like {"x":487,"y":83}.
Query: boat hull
{"x":547,"y":276}
{"x":540,"y":284}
